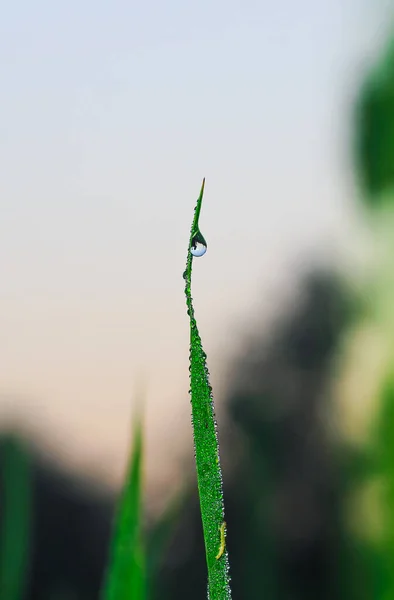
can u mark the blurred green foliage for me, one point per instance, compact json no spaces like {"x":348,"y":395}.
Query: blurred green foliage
{"x":374,"y":131}
{"x":382,"y":504}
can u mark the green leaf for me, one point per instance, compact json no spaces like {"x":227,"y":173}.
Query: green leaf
{"x":126,"y":578}
{"x":209,"y":475}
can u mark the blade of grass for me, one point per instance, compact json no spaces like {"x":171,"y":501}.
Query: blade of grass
{"x":126,"y":578}
{"x":15,"y":519}
{"x":209,"y":476}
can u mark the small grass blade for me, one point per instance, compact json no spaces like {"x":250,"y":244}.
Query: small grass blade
{"x":126,"y":578}
{"x":15,"y":519}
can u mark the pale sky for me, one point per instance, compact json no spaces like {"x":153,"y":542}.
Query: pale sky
{"x":111,"y":114}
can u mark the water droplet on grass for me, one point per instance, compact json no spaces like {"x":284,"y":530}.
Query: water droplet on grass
{"x":198,"y":249}
{"x":199,"y":245}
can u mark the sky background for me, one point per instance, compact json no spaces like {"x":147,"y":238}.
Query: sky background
{"x":111,"y":115}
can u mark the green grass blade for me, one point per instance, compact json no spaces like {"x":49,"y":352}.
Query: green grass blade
{"x":126,"y":578}
{"x":209,"y":476}
{"x":15,"y":519}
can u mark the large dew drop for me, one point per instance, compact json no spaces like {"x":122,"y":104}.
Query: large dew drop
{"x":198,"y":249}
{"x":199,"y":245}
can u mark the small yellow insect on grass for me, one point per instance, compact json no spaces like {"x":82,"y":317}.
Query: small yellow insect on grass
{"x":222,"y":546}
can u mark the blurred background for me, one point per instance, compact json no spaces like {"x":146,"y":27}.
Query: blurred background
{"x":111,"y":115}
